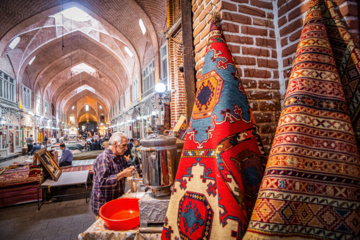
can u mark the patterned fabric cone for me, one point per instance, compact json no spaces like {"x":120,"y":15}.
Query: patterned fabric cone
{"x":222,"y":164}
{"x":310,"y":188}
{"x":347,"y":57}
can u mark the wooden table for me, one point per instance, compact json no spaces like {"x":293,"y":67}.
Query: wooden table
{"x":66,"y":179}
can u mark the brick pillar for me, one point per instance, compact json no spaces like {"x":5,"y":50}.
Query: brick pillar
{"x":178,"y":98}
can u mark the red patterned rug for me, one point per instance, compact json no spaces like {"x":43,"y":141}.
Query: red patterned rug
{"x":311,"y":185}
{"x":16,"y":186}
{"x":78,"y":168}
{"x":222,"y":165}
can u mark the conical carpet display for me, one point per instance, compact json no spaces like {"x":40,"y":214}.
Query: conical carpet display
{"x":347,"y":57}
{"x":311,"y":187}
{"x":222,"y":164}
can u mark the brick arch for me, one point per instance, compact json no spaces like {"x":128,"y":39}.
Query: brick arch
{"x":64,"y":78}
{"x":89,"y":115}
{"x":115,"y":68}
{"x":70,"y":91}
{"x":116,"y":19}
{"x":31,"y":23}
{"x":91,"y":111}
{"x":67,"y":103}
{"x":60,"y":92}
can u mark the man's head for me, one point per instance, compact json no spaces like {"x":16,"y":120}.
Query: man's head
{"x":30,"y":135}
{"x":118,"y":143}
{"x":62,"y":146}
{"x":131,"y":140}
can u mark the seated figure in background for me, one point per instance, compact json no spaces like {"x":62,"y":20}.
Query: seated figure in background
{"x":37,"y":146}
{"x":66,"y":157}
{"x":95,"y":145}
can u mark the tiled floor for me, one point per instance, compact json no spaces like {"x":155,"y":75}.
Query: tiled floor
{"x":55,"y":221}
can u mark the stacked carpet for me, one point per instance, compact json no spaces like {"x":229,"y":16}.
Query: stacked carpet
{"x":311,"y":185}
{"x":221,"y":167}
{"x":347,"y":57}
{"x":16,"y":186}
{"x":87,"y":155}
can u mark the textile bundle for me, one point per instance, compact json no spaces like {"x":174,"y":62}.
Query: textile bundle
{"x":310,"y":188}
{"x":222,"y":161}
{"x":347,"y":57}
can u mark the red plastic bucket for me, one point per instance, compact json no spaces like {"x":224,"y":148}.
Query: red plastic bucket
{"x":121,"y":214}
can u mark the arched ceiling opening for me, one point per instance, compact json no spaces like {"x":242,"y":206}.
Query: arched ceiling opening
{"x":87,"y":117}
{"x":52,"y":43}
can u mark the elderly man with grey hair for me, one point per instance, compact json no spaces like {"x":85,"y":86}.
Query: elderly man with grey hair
{"x":110,"y":170}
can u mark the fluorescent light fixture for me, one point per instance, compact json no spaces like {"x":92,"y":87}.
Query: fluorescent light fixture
{"x":86,"y":107}
{"x":128,"y":51}
{"x":31,"y":61}
{"x":142,"y":26}
{"x":14,"y":43}
{"x":73,"y":107}
{"x":76,"y":14}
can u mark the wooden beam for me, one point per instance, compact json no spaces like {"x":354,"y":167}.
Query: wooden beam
{"x":189,"y":63}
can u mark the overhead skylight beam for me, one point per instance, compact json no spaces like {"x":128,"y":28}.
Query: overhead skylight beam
{"x":142,"y":26}
{"x":128,"y":51}
{"x":32,"y":60}
{"x":14,"y":43}
{"x":76,"y":14}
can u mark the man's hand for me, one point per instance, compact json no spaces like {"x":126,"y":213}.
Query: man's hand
{"x":127,"y":172}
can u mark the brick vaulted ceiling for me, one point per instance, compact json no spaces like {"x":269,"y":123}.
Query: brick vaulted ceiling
{"x":60,"y":43}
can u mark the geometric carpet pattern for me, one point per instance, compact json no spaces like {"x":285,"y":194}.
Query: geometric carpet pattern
{"x":311,"y":185}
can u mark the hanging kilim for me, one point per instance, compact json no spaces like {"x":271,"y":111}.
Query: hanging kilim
{"x":222,"y":164}
{"x":347,"y":57}
{"x":310,"y":188}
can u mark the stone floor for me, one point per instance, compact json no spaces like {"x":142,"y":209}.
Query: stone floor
{"x":54,"y":221}
{"x":20,"y":159}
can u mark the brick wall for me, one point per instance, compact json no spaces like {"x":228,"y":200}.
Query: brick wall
{"x":178,"y":98}
{"x":291,"y":14}
{"x":251,"y":29}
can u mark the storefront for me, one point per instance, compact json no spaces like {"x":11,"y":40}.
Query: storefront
{"x":11,"y":135}
{"x":27,"y":127}
{"x":136,"y":125}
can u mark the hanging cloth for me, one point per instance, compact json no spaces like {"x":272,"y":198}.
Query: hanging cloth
{"x":222,"y":162}
{"x":347,"y":58}
{"x":311,"y":185}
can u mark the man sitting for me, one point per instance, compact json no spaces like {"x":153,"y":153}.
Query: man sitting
{"x":95,"y":145}
{"x":66,"y":157}
{"x":37,"y":146}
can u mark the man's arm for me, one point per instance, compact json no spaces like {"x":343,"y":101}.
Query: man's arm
{"x":70,"y":156}
{"x":106,"y":179}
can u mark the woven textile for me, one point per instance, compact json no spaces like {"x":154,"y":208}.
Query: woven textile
{"x":347,"y":57}
{"x":221,"y":166}
{"x":16,"y":186}
{"x":310,"y":188}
